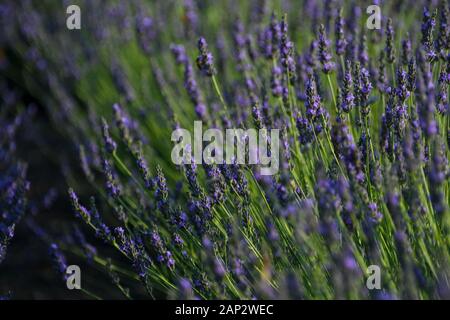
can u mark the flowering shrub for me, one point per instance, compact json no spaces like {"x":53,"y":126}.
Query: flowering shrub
{"x":364,"y":130}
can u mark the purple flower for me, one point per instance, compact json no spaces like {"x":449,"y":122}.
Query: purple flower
{"x":112,"y":186}
{"x":437,"y":177}
{"x":170,"y":260}
{"x":348,"y":99}
{"x":390,"y":49}
{"x":257,"y":117}
{"x":443,"y":38}
{"x":190,"y":84}
{"x":406,"y":51}
{"x":402,"y":88}
{"x":350,"y":263}
{"x":411,"y":85}
{"x":79,"y":209}
{"x":110,"y":144}
{"x":179,"y":53}
{"x":124,"y":123}
{"x":315,"y":112}
{"x":363,"y":55}
{"x":162,"y":192}
{"x":442,"y":98}
{"x":185,"y":289}
{"x":191,"y":176}
{"x":101,"y":229}
{"x":381,"y":77}
{"x":146,"y":32}
{"x":426,"y":98}
{"x":305,"y":131}
{"x":215,"y":182}
{"x":155,"y":239}
{"x":219,"y":269}
{"x":276,"y":82}
{"x":324,"y":51}
{"x":179,"y":219}
{"x":265,"y":42}
{"x":272,"y":233}
{"x":177,"y":240}
{"x":341,"y":42}
{"x":375,"y":214}
{"x":275,"y":31}
{"x":124,"y":242}
{"x":121,"y":82}
{"x":190,"y":20}
{"x":239,"y":41}
{"x":287,"y":50}
{"x":345,"y":147}
{"x":327,"y":203}
{"x":143,"y":168}
{"x":428,"y":24}
{"x":362,"y":87}
{"x":205,"y":61}
{"x":59,"y":259}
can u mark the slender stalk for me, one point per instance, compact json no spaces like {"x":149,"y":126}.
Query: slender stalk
{"x":219,"y":93}
{"x":332,"y":91}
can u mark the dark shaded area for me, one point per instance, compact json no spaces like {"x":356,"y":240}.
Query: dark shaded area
{"x":28,"y":271}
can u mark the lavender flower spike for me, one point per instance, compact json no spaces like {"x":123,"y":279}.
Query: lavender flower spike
{"x":205,"y":61}
{"x":348,"y":99}
{"x":110,"y":144}
{"x":390,"y":49}
{"x":324,"y":52}
{"x":341,"y":42}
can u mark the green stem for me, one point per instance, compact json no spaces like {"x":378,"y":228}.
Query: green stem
{"x":332,"y":91}
{"x":219,"y":93}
